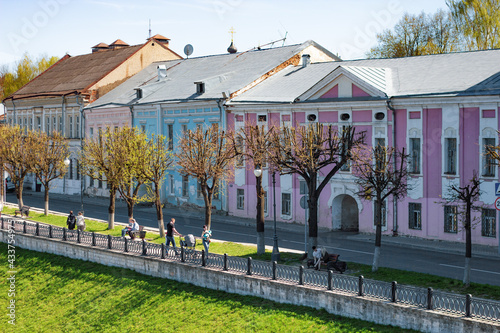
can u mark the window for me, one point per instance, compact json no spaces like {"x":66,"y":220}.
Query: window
{"x":216,"y":192}
{"x":380,"y":157}
{"x":171,"y":184}
{"x":383,"y":217}
{"x":286,"y":204}
{"x":451,"y":156}
{"x":47,"y":125}
{"x":70,"y":134}
{"x":415,"y":155}
{"x":240,"y":198}
{"x":200,"y":87}
{"x":488,"y":223}
{"x":77,"y":169}
{"x":170,"y":128}
{"x":60,"y":125}
{"x":39,"y":123}
{"x":199,"y":190}
{"x":184,"y":129}
{"x":100,"y":183}
{"x":303,"y":187}
{"x":488,"y":161}
{"x":451,"y":219}
{"x":262,"y":118}
{"x":77,"y":120}
{"x":143,"y":128}
{"x":240,"y":149}
{"x":70,"y":168}
{"x":265,"y":202}
{"x":185,"y":186}
{"x":91,"y":132}
{"x":91,"y":183}
{"x":54,"y":124}
{"x":414,"y":216}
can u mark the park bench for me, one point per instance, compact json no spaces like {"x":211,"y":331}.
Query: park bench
{"x":331,"y":262}
{"x":141,"y":233}
{"x":25,"y":210}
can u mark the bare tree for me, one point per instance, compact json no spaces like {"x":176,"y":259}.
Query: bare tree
{"x":131,"y":150}
{"x":157,"y":161}
{"x":253,"y":143}
{"x":380,"y":172}
{"x":15,"y":147}
{"x":100,"y":160}
{"x":308,"y":151}
{"x":206,"y":154}
{"x":47,"y":156}
{"x":465,"y":198}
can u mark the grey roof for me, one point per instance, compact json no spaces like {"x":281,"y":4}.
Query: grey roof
{"x":455,"y":74}
{"x":220,"y":73}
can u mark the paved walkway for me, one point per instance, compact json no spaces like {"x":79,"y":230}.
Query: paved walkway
{"x":403,"y":241}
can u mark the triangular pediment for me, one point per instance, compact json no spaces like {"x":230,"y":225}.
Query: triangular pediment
{"x":347,"y":82}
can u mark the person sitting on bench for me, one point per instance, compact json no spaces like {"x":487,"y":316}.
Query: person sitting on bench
{"x":317,"y":258}
{"x":132,"y":226}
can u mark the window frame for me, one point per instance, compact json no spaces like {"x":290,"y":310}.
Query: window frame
{"x":415,"y":207}
{"x":488,"y":223}
{"x":286,"y":204}
{"x":240,"y":199}
{"x":451,"y":212}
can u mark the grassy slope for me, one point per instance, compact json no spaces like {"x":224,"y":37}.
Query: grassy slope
{"x":58,"y":294}
{"x":235,"y":249}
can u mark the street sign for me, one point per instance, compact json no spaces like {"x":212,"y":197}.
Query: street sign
{"x":303,"y":202}
{"x":497,"y":203}
{"x":497,"y":189}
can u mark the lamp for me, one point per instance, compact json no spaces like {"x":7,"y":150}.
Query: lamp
{"x":257,"y":172}
{"x":66,"y":163}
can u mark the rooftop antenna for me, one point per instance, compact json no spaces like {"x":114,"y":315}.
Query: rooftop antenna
{"x":149,"y":28}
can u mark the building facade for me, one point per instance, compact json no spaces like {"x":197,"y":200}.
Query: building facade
{"x":440,"y":112}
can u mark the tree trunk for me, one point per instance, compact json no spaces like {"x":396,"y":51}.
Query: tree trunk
{"x":261,"y":246}
{"x":467,"y":272}
{"x":159,"y":211}
{"x":378,"y":235}
{"x":468,"y":244}
{"x":376,"y":259}
{"x":111,"y":209}
{"x":313,"y":226}
{"x":2,"y":184}
{"x":130,"y":207}
{"x":208,"y":211}
{"x":46,"y":196}
{"x":19,"y":193}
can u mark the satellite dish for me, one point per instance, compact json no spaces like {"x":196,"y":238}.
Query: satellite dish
{"x":188,"y":50}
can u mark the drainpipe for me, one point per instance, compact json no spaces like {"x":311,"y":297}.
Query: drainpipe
{"x":63,"y":115}
{"x":394,"y":200}
{"x":222,"y":115}
{"x":82,"y":136}
{"x":14,"y":110}
{"x":131,"y":116}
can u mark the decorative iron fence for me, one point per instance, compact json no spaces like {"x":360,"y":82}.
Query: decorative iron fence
{"x":420,"y":297}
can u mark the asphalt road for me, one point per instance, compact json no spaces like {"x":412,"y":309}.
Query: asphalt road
{"x":485,"y":269}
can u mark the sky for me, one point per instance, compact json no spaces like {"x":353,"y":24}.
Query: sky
{"x":56,"y":27}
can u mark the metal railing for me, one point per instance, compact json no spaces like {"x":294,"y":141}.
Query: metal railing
{"x":467,"y":305}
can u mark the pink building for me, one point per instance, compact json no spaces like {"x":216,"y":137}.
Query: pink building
{"x":442,"y":108}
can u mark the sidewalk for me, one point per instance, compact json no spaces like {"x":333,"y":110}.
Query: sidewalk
{"x":402,"y":241}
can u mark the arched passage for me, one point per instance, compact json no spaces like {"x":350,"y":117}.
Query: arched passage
{"x":345,"y":213}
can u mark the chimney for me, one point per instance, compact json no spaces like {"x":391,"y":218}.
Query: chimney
{"x":162,"y":72}
{"x":118,"y":44}
{"x":100,"y":47}
{"x":161,"y":39}
{"x":306,"y":60}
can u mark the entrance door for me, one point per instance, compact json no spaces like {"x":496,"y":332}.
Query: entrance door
{"x":345,"y":213}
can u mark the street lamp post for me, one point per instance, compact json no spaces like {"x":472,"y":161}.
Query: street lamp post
{"x":275,"y":256}
{"x":66,"y":163}
{"x":260,"y":211}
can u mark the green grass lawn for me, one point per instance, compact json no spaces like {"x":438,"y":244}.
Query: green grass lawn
{"x":59,"y":294}
{"x":240,"y":250}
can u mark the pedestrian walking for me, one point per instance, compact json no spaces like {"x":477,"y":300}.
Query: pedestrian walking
{"x":205,"y":236}
{"x":80,"y":222}
{"x":171,"y":231}
{"x":71,"y":220}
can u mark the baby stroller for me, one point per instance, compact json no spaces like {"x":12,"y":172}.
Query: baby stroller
{"x":189,"y":242}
